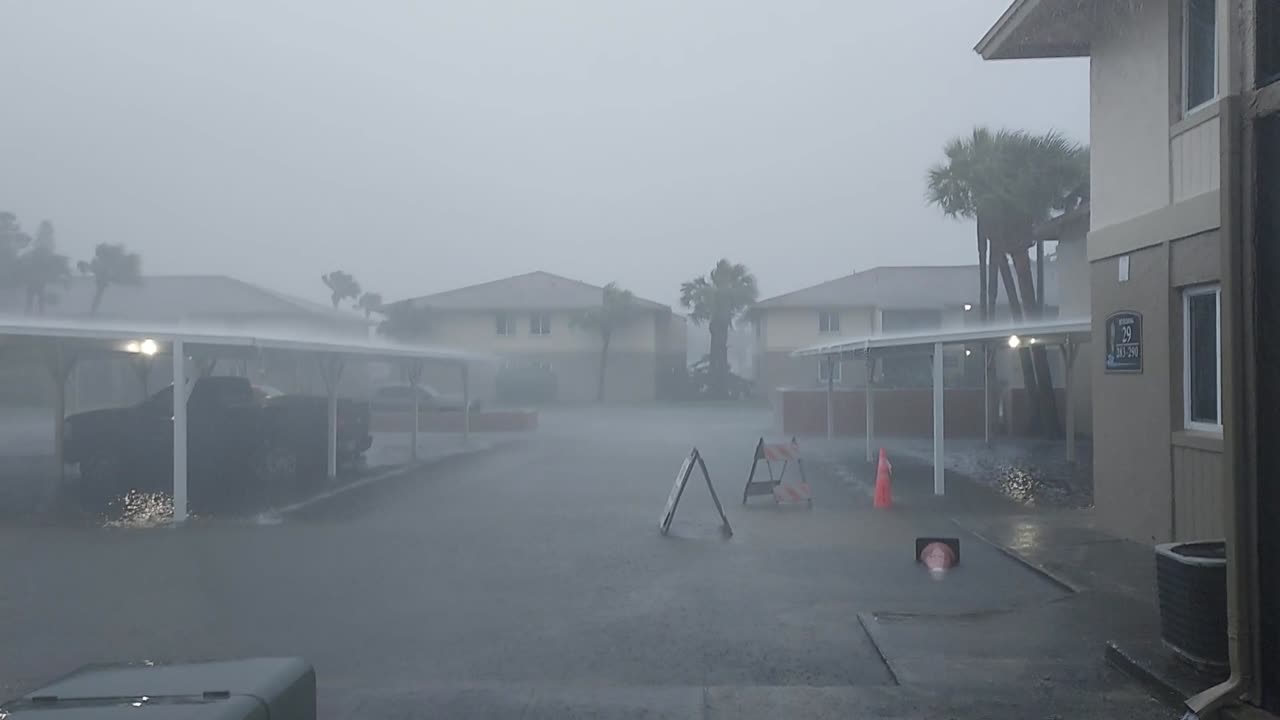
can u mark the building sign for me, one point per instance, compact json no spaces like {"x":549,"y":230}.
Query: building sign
{"x":1124,"y":342}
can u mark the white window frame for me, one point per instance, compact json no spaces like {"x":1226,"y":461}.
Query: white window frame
{"x":1187,"y":108}
{"x":539,"y":329}
{"x":504,"y":324}
{"x":829,"y":315}
{"x":822,"y":366}
{"x":1187,"y":293}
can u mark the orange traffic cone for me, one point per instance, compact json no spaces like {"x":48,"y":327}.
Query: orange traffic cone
{"x":884,"y":486}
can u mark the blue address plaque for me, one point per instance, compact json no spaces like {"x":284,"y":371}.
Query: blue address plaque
{"x":1124,"y":342}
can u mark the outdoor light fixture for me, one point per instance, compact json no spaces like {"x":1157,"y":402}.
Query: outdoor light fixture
{"x":148,"y":347}
{"x":967,"y":352}
{"x":1032,"y":341}
{"x":968,"y":307}
{"x":1014,"y":341}
{"x":132,"y":347}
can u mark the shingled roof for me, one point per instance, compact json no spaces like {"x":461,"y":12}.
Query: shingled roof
{"x":536,"y":290}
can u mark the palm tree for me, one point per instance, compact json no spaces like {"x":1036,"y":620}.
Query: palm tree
{"x":341,"y":286}
{"x":718,"y":299}
{"x":616,"y":310}
{"x":12,"y":242}
{"x":370,"y":303}
{"x":38,"y":268}
{"x":111,"y":265}
{"x":1007,"y":181}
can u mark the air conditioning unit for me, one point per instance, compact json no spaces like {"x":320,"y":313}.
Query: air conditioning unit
{"x":1191,"y":582}
{"x":258,"y":688}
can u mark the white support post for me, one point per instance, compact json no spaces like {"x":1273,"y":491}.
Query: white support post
{"x":1069,"y":361}
{"x":986,"y":394}
{"x":331,"y":373}
{"x":831,"y":389}
{"x":939,"y":467}
{"x":414,"y":377}
{"x":466,"y":402}
{"x":869,"y":405}
{"x":179,"y":433}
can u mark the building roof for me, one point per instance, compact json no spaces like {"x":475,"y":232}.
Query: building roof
{"x":1045,"y":29}
{"x":537,"y":290}
{"x":175,"y":298}
{"x":905,"y":287}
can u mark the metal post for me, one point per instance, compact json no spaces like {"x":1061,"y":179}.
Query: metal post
{"x":414,"y":376}
{"x":986,"y":394}
{"x":869,"y":405}
{"x":1068,"y":360}
{"x":939,"y":469}
{"x":466,"y":402}
{"x":331,"y":372}
{"x":179,"y":433}
{"x":831,"y":388}
{"x":61,"y":370}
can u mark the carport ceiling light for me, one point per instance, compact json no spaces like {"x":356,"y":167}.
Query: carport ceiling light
{"x":1014,"y":341}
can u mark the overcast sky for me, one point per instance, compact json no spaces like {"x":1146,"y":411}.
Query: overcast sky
{"x":427,"y":144}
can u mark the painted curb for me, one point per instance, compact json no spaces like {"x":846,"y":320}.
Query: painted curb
{"x":1037,"y":568}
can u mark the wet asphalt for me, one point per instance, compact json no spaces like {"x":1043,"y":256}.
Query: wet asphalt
{"x":533,"y":582}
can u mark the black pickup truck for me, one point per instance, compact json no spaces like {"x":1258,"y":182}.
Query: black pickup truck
{"x":243,"y":448}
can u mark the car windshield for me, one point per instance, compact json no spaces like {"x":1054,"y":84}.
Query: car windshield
{"x":640,"y":358}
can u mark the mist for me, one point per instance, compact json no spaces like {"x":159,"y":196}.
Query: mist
{"x":427,"y":145}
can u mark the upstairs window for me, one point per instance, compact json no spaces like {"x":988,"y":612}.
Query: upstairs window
{"x":1199,"y":53}
{"x":506,"y":325}
{"x":828,"y":321}
{"x":540,"y":323}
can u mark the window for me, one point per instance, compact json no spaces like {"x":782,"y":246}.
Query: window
{"x":822,"y":371}
{"x":1199,"y":53}
{"x":1202,"y":358}
{"x":828,"y":321}
{"x":540,"y":323}
{"x":506,"y":324}
{"x":1268,"y":40}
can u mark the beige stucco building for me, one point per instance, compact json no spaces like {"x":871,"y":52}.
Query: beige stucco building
{"x":1156,"y":79}
{"x":529,"y":319}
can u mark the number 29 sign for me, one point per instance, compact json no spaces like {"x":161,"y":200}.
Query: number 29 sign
{"x":1124,"y":342}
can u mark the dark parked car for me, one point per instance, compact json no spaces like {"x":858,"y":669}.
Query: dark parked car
{"x":241,"y":446}
{"x":399,"y":398}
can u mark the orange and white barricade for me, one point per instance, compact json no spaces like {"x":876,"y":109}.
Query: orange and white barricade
{"x":777,"y":486}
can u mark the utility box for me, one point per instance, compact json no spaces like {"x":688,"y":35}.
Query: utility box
{"x":257,"y":688}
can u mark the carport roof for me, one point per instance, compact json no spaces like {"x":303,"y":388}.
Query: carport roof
{"x":114,"y":334}
{"x":1048,"y":333}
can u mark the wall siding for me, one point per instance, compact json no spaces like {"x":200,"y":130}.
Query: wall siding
{"x":1198,"y":499}
{"x":1194,"y":160}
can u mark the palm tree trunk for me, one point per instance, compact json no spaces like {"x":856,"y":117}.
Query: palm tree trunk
{"x":993,"y":281}
{"x":604,"y":359}
{"x":719,"y":357}
{"x":1040,"y":357}
{"x":98,"y":291}
{"x":1024,"y":354}
{"x":982,"y":272}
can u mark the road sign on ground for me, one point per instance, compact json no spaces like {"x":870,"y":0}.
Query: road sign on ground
{"x":677,"y":490}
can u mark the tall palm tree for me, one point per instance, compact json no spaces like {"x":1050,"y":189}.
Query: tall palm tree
{"x":616,"y":310}
{"x":39,"y":268}
{"x":1007,"y":181}
{"x":12,"y":242}
{"x":342,"y":286}
{"x":370,"y":303}
{"x":718,"y":299}
{"x":111,"y":265}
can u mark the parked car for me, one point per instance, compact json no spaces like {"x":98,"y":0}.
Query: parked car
{"x":242,"y":446}
{"x":399,"y":398}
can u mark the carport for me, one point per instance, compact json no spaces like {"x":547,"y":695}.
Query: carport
{"x":1067,"y":336}
{"x":61,"y":342}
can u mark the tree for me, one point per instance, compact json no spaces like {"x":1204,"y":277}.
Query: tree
{"x":342,"y":286}
{"x":111,"y":265}
{"x":370,"y":303}
{"x":1007,"y":182}
{"x":12,"y":242}
{"x":41,"y":267}
{"x":616,"y":310}
{"x":718,"y":299}
{"x":405,"y":322}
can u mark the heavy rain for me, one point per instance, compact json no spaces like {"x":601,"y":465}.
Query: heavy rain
{"x":638,"y":359}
